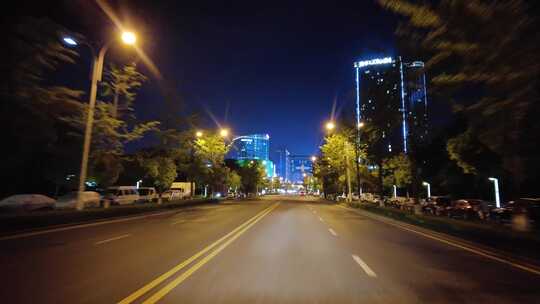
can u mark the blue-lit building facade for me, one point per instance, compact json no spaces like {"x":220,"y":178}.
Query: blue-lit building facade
{"x":253,"y":147}
{"x":299,"y":166}
{"x":392,"y":95}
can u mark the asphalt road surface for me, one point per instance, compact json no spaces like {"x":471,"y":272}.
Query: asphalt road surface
{"x":279,"y":250}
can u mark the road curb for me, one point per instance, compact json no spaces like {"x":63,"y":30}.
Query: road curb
{"x":522,"y":263}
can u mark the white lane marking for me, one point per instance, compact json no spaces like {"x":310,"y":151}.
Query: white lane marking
{"x":178,"y":222}
{"x":364,"y":266}
{"x":321,"y":219}
{"x":332,"y":231}
{"x":112,"y":239}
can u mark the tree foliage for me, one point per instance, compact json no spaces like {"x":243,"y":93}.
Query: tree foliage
{"x":397,"y":171}
{"x":162,"y":171}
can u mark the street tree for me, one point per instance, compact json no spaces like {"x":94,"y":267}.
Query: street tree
{"x":338,"y":153}
{"x":211,"y":149}
{"x":161,"y":170}
{"x":120,"y":84}
{"x":252,"y":175}
{"x":397,"y":171}
{"x":234,"y":181}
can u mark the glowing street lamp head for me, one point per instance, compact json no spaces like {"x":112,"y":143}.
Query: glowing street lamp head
{"x":129,"y":38}
{"x":425,"y":183}
{"x":199,"y":134}
{"x":330,"y":126}
{"x":360,"y":125}
{"x":313,"y":158}
{"x":224,"y":132}
{"x":70,"y":41}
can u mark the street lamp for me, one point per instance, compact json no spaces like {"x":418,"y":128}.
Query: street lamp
{"x":428,"y":186}
{"x":394,"y":187}
{"x":360,"y":125}
{"x":224,"y":132}
{"x":330,"y":126}
{"x":97,"y":73}
{"x":199,"y":134}
{"x":129,"y":38}
{"x":313,"y":158}
{"x":496,"y":188}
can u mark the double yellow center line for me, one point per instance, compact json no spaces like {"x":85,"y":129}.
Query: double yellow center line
{"x":222,"y":243}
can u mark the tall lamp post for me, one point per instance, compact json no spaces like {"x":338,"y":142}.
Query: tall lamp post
{"x":357,"y":155}
{"x":428,"y":186}
{"x":496,"y":189}
{"x":97,"y":72}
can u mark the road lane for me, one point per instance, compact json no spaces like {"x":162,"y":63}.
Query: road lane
{"x":66,"y":267}
{"x":431,"y":270}
{"x":288,"y":256}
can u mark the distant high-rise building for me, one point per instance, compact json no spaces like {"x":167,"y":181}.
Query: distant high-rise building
{"x":281,"y":159}
{"x":254,"y":146}
{"x":391,"y":94}
{"x":300,"y":165}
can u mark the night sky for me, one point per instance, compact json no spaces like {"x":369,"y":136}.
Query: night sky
{"x":259,"y":67}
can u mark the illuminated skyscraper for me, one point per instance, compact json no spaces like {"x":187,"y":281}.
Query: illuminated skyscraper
{"x":254,"y":146}
{"x":391,"y":94}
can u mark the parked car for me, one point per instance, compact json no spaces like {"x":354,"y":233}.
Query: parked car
{"x":147,"y":194}
{"x":26,"y":202}
{"x":171,"y":195}
{"x":470,"y":209}
{"x":121,"y":195}
{"x":89,"y":198}
{"x":436,"y":205}
{"x":523,"y":206}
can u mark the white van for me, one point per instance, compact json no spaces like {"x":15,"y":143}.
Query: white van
{"x":147,"y":194}
{"x":121,"y":195}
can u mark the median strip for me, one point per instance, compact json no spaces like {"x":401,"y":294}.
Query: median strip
{"x":146,"y":288}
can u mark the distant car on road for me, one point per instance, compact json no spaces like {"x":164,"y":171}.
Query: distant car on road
{"x":121,"y":195}
{"x":437,"y":205}
{"x":26,"y":202}
{"x":89,"y":198}
{"x":147,"y":194}
{"x":470,"y":209}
